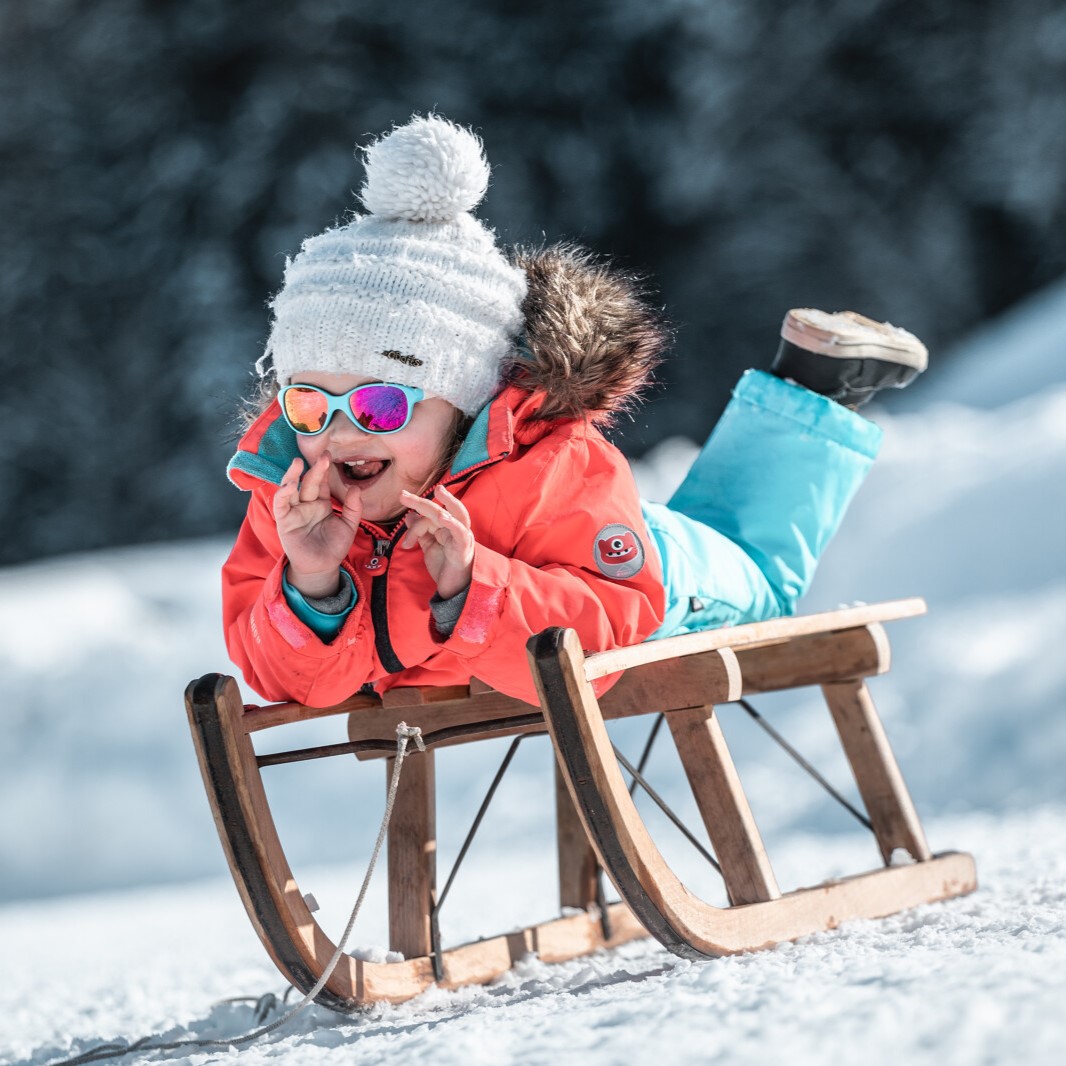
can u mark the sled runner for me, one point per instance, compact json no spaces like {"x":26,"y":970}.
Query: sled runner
{"x":598,"y":825}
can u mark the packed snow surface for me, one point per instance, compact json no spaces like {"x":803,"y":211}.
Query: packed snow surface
{"x":977,"y":980}
{"x":121,"y":921}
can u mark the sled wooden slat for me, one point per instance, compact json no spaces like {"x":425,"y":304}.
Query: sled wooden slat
{"x":609,"y":662}
{"x":689,"y":679}
{"x":577,"y":860}
{"x":425,"y":696}
{"x":723,"y":806}
{"x":708,"y":677}
{"x":256,"y":718}
{"x":412,"y":856}
{"x":888,"y":802}
{"x":810,"y":659}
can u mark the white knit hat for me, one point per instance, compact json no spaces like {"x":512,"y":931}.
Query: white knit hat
{"x":414,"y":292}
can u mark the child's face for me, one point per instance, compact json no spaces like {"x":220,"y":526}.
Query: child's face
{"x":378,"y":466}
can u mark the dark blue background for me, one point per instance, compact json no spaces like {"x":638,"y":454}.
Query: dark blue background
{"x":159,"y":159}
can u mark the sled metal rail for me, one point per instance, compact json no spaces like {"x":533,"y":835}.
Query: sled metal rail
{"x":597,"y":822}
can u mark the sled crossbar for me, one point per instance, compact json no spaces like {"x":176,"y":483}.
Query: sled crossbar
{"x":597,"y":824}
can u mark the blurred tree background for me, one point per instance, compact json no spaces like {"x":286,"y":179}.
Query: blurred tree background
{"x":159,"y":158}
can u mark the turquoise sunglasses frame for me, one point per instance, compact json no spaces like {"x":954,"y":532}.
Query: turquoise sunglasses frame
{"x":343,"y":403}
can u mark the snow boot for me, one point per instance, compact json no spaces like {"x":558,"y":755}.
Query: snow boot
{"x":846,"y":356}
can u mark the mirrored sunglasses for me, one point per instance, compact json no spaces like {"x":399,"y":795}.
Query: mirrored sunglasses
{"x":380,"y":407}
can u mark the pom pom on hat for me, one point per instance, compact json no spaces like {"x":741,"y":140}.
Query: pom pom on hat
{"x":429,"y":170}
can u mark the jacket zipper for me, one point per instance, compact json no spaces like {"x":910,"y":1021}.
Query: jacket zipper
{"x":379,"y":602}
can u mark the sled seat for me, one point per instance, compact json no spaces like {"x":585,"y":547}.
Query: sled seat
{"x":598,"y":825}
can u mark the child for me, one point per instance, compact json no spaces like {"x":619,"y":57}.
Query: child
{"x":429,"y":487}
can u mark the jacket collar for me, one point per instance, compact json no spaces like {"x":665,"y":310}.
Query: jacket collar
{"x":265,"y":452}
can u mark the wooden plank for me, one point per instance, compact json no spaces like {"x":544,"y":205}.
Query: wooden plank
{"x":713,"y":677}
{"x":577,"y":860}
{"x":708,"y":677}
{"x":723,"y":806}
{"x":605,"y":663}
{"x":421,"y":695}
{"x":815,"y":659}
{"x":412,"y":855}
{"x":380,"y":722}
{"x":273,"y":714}
{"x":554,"y":941}
{"x":881,"y":784}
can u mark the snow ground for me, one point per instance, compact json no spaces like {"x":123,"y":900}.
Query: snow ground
{"x":976,"y":980}
{"x":119,"y":918}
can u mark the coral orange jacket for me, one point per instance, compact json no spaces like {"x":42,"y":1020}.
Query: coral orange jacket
{"x":561,"y":541}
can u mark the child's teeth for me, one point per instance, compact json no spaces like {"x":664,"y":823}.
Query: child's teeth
{"x":358,"y":468}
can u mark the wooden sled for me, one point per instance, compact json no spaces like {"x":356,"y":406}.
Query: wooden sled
{"x":597,"y":821}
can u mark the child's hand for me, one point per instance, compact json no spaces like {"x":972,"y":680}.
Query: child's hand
{"x":443,"y":534}
{"x":315,"y":539}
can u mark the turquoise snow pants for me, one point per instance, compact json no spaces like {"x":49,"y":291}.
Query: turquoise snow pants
{"x":740,"y":539}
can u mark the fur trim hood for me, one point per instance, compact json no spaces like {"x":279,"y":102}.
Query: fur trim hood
{"x":592,"y":336}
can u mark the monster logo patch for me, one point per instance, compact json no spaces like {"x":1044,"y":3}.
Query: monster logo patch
{"x":618,"y":552}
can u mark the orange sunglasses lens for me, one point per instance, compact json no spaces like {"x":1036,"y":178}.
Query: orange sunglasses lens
{"x":306,"y":410}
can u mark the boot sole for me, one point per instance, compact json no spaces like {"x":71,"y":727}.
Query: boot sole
{"x":847,"y":335}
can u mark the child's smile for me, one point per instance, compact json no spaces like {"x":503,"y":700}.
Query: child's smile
{"x":379,"y":466}
{"x":362,"y":470}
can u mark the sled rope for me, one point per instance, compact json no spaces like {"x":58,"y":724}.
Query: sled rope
{"x":645,"y":755}
{"x":638,"y":780}
{"x":404,"y":734}
{"x":801,"y":761}
{"x":659,"y":802}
